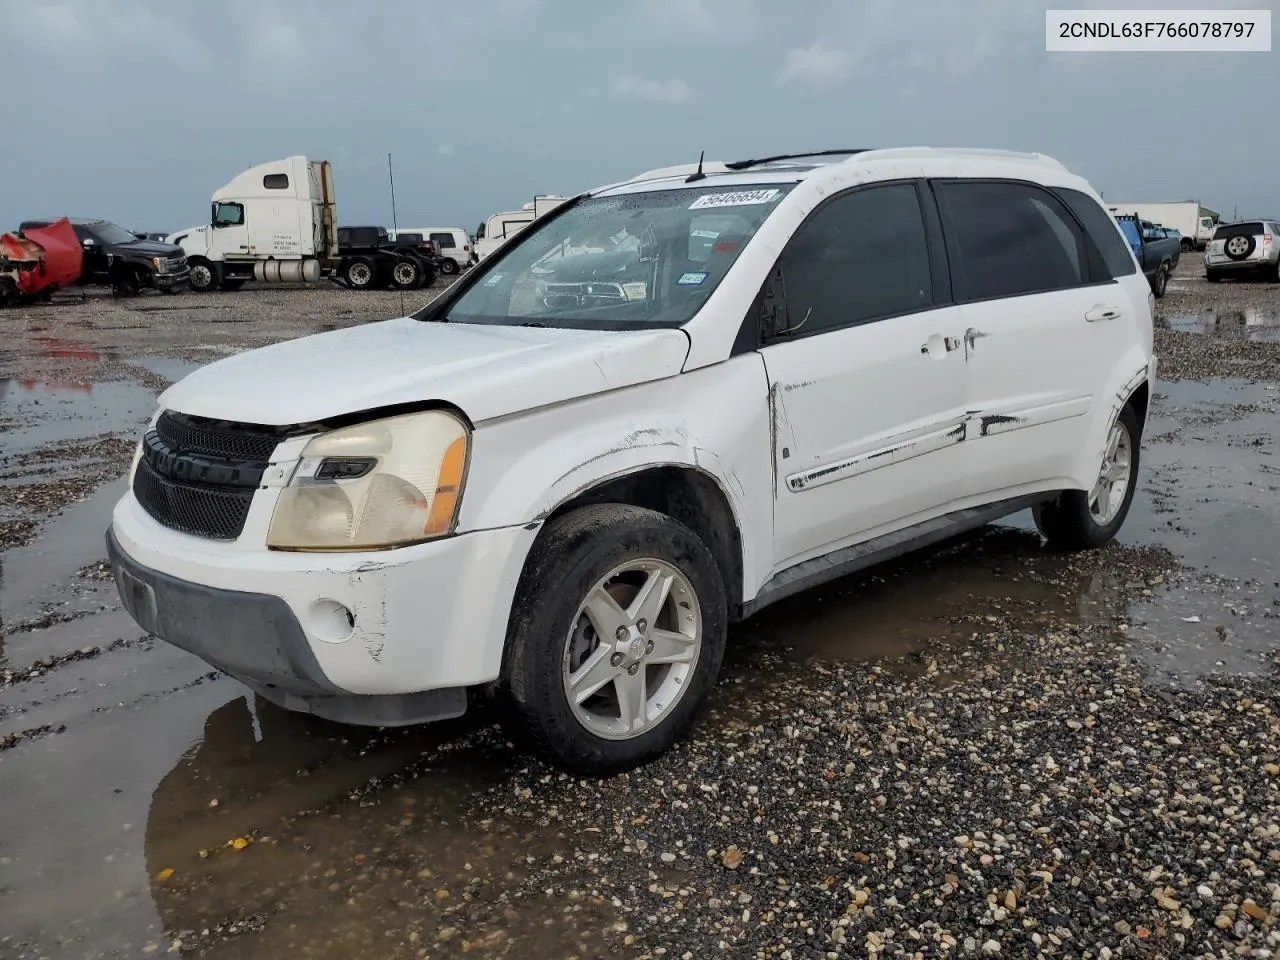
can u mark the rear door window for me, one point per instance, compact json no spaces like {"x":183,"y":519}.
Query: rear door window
{"x":1008,"y":239}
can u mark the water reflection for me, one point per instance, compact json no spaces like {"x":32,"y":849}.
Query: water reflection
{"x":1249,"y":323}
{"x":280,"y":834}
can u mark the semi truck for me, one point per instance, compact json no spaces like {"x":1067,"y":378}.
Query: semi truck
{"x":277,"y":222}
{"x":1190,"y":218}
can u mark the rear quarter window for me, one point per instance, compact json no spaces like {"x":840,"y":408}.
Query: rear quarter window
{"x":1102,"y":230}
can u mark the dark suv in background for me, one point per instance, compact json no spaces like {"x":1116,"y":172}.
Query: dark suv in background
{"x":122,"y":260}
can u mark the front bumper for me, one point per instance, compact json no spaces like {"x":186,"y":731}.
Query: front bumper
{"x":169,"y":281}
{"x":378,"y":638}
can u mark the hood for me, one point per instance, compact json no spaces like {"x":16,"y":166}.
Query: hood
{"x":150,"y":248}
{"x":172,"y":238}
{"x":485,"y":371}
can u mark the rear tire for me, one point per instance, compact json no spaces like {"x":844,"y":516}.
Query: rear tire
{"x":640,"y":671}
{"x":1161,"y":281}
{"x":448,"y":266}
{"x":407,"y":273}
{"x":231,"y":284}
{"x":359,"y":273}
{"x":1185,"y":245}
{"x":1088,"y":519}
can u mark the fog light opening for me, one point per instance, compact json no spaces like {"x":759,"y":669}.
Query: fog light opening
{"x":331,"y":622}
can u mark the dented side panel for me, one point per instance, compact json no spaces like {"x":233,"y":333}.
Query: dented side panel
{"x":869,"y":429}
{"x":715,"y":420}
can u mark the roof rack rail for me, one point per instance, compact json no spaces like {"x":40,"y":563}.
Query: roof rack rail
{"x":744,"y":164}
{"x":915,"y":153}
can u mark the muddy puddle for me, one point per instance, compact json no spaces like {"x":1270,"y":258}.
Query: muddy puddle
{"x":1250,"y":323}
{"x":154,"y":807}
{"x":40,"y":413}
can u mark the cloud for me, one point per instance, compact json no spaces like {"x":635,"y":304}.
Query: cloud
{"x":445,"y":150}
{"x":815,"y":63}
{"x":664,"y":91}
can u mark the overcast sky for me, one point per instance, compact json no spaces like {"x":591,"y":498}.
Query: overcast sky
{"x":137,"y":110}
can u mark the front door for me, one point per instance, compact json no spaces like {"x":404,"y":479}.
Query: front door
{"x":867,"y":376}
{"x":1044,"y":323}
{"x":230,"y":231}
{"x":95,"y":266}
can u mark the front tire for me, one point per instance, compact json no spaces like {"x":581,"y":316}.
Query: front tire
{"x":205,"y":276}
{"x":1086,"y":520}
{"x":616,"y":637}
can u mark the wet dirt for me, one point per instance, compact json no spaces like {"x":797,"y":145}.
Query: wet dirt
{"x":151,"y":806}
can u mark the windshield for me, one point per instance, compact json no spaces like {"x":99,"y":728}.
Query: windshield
{"x":621,"y":262}
{"x":108,"y":232}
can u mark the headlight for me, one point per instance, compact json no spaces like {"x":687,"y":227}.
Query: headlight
{"x":387,"y":483}
{"x":158,"y":262}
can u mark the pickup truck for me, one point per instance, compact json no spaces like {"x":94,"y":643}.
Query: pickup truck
{"x":119,"y":259}
{"x":1156,"y":250}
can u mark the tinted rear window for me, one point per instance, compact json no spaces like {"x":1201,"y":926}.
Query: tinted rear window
{"x":1101,"y":228}
{"x":1009,"y":239}
{"x":1239,"y":230}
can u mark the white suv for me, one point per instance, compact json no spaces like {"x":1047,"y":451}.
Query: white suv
{"x":1244,"y":247}
{"x":671,"y":402}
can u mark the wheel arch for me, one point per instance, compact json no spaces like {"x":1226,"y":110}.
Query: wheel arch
{"x":685,"y":493}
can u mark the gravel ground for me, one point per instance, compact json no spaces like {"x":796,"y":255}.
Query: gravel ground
{"x":1225,"y":308}
{"x":984,"y":750}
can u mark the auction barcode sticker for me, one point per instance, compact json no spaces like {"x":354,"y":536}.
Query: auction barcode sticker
{"x":1158,"y":31}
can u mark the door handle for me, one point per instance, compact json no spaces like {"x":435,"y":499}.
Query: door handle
{"x":1102,"y":313}
{"x":973,"y":334}
{"x":947,"y":343}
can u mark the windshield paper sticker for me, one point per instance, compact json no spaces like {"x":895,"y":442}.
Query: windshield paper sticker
{"x":690,"y":279}
{"x":739,"y":198}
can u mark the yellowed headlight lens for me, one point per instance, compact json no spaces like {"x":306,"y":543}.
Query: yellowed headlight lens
{"x":413,"y":470}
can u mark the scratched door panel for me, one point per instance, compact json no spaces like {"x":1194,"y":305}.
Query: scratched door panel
{"x":1032,"y":385}
{"x":867,"y":430}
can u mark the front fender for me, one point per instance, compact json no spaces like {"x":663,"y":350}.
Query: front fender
{"x":714,"y":421}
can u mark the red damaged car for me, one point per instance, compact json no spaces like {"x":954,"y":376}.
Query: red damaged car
{"x":42,"y":260}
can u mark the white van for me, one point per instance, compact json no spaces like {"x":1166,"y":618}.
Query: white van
{"x":452,"y":243}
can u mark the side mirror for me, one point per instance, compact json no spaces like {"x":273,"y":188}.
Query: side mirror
{"x":86,"y":242}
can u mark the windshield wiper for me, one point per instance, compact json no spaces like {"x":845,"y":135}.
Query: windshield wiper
{"x":533,"y":323}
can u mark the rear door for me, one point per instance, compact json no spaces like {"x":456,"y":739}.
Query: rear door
{"x":866,"y":373}
{"x":1045,"y":323}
